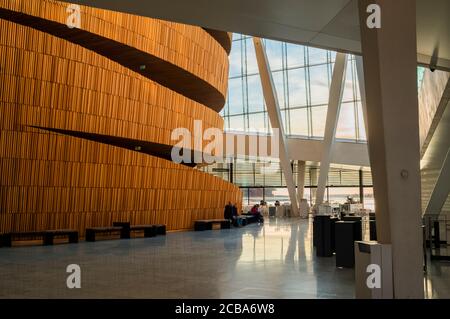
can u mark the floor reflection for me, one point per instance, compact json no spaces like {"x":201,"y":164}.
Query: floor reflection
{"x":274,"y":260}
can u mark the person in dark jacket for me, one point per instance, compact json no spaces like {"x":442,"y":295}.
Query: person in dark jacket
{"x":228,"y":213}
{"x":235,"y":211}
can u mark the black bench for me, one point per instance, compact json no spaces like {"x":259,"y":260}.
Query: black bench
{"x":47,"y":236}
{"x":207,"y":224}
{"x":160,"y":229}
{"x":91,"y":232}
{"x":149,"y":230}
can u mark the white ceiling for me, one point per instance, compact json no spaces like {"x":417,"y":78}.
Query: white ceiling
{"x":330,"y":24}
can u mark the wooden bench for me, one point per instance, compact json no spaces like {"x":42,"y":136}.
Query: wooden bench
{"x":47,"y":236}
{"x":207,"y":224}
{"x":91,"y":232}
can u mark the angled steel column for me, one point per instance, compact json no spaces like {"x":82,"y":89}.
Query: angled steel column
{"x":362,"y":89}
{"x":301,"y":167}
{"x":390,"y":75}
{"x":441,"y":189}
{"x":273,"y":109}
{"x":334,"y":106}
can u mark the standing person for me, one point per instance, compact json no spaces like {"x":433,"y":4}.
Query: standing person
{"x":228,"y":213}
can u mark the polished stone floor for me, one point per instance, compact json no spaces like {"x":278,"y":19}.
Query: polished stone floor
{"x":276,"y":260}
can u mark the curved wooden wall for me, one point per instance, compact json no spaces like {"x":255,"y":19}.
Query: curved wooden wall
{"x":223,"y":38}
{"x":50,"y":180}
{"x":185,"y":58}
{"x":77,"y":89}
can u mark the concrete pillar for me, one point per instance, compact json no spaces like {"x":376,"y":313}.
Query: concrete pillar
{"x":362,"y":90}
{"x":390,"y":74}
{"x":301,"y":167}
{"x":274,"y":112}
{"x":313,"y":181}
{"x":334,"y":106}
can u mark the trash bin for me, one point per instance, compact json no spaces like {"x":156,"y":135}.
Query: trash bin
{"x":346,"y":233}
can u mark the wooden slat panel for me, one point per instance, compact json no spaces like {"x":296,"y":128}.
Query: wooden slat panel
{"x":188,"y":47}
{"x":57,"y":181}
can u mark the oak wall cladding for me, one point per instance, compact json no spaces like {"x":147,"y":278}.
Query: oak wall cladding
{"x":50,"y":180}
{"x":189,"y":48}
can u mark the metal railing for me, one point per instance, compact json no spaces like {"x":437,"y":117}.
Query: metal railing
{"x":436,"y":237}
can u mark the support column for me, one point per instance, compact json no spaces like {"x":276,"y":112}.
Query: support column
{"x":441,"y":189}
{"x":231,"y":173}
{"x":361,"y":187}
{"x":313,"y":178}
{"x":390,"y":73}
{"x":273,"y":110}
{"x":334,"y":106}
{"x":362,"y":90}
{"x":301,"y":167}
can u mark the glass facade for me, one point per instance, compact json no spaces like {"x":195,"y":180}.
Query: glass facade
{"x":265,"y":181}
{"x":302,"y":77}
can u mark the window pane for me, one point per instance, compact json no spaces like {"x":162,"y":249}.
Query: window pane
{"x":274,"y":54}
{"x":297,"y":87}
{"x":237,"y":123}
{"x":226,"y":123}
{"x":244,"y":196}
{"x":235,"y":97}
{"x":348,"y":87}
{"x":284,"y":118}
{"x":346,"y":127}
{"x":369,"y":200}
{"x":279,"y":87}
{"x":295,"y":55}
{"x":319,"y":84}
{"x":235,"y":59}
{"x":317,"y":56}
{"x":299,"y":122}
{"x":272,"y":173}
{"x":332,"y":55}
{"x":252,"y":65}
{"x":257,"y":122}
{"x":319,"y":118}
{"x":255,"y":94}
{"x":256,"y":195}
{"x":274,"y":194}
{"x":338,"y":195}
{"x":361,"y":124}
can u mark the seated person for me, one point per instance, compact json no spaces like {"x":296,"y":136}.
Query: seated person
{"x":256,"y":211}
{"x":234,"y":215}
